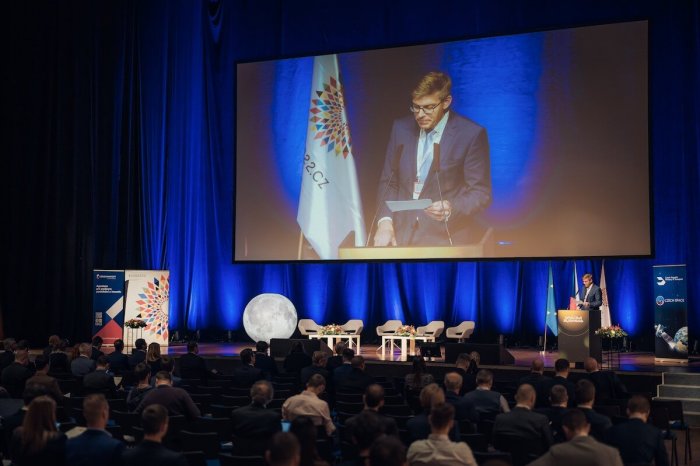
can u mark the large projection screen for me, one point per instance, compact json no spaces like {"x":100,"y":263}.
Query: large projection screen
{"x":544,"y":152}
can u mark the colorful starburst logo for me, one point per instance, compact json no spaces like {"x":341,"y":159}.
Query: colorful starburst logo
{"x":153,"y":309}
{"x":327,"y":116}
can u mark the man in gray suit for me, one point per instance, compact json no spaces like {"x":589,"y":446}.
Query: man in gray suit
{"x":581,"y":449}
{"x":590,"y":297}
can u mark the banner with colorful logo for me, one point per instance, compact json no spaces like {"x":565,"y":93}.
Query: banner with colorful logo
{"x":107,"y":304}
{"x":147,"y":298}
{"x":671,"y":316}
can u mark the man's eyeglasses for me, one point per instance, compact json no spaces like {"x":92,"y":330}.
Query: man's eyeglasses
{"x":427,"y":109}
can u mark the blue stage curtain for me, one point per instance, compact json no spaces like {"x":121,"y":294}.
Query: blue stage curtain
{"x":120,"y":155}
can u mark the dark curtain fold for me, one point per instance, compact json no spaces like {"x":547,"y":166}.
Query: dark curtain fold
{"x":118,"y":146}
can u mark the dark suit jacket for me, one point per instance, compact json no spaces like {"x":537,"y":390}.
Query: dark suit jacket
{"x":524,"y":424}
{"x":295,"y":362}
{"x":594,"y":298}
{"x":266,"y":364}
{"x":149,"y":453}
{"x":193,"y":366}
{"x":468,"y":380}
{"x":254,"y":425}
{"x":96,"y":354}
{"x":49,"y":382}
{"x":307,"y":372}
{"x":99,"y":381}
{"x":340,"y":373}
{"x":246,"y":375}
{"x":465,"y":180}
{"x":137,"y":357}
{"x":570,"y":388}
{"x":356,"y":381}
{"x":607,"y":385}
{"x":464,"y":408}
{"x":542,"y":385}
{"x":14,"y":378}
{"x":59,"y":363}
{"x":388,"y":425}
{"x":118,"y":362}
{"x":599,"y":423}
{"x":638,"y":442}
{"x":93,"y":447}
{"x":418,"y":428}
{"x":176,"y":400}
{"x":555,"y":415}
{"x":334,"y":362}
{"x":81,"y":366}
{"x":6,"y":358}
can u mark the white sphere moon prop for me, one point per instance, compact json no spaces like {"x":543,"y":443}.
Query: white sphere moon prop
{"x":269,"y":315}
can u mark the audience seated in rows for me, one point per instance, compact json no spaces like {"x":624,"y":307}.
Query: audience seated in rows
{"x":488,"y":403}
{"x":467,"y":368}
{"x":37,"y":441}
{"x":142,"y":374}
{"x":153,"y":357}
{"x":561,"y":377}
{"x":247,"y":374}
{"x":419,"y":376}
{"x":284,"y":450}
{"x":308,"y":403}
{"x":41,"y":377}
{"x":100,"y":380}
{"x":366,"y":428}
{"x":95,"y":445}
{"x":264,"y":362}
{"x":167,"y":364}
{"x":336,"y":360}
{"x":253,"y":425}
{"x":175,"y":400}
{"x":438,"y":449}
{"x":464,"y":407}
{"x":541,"y":383}
{"x":318,"y":366}
{"x":96,"y":350}
{"x":418,"y":426}
{"x":345,"y":368}
{"x":608,"y":385}
{"x":296,"y":360}
{"x":150,"y":452}
{"x":16,"y":374}
{"x":82,"y":365}
{"x":373,"y":399}
{"x":355,"y":381}
{"x":387,"y":451}
{"x":54,"y":341}
{"x":305,"y":431}
{"x":138,"y":355}
{"x":59,"y":362}
{"x":637,"y":441}
{"x":118,"y":361}
{"x":193,"y":366}
{"x":13,"y":421}
{"x":580,"y":449}
{"x":559,"y":400}
{"x":585,"y":397}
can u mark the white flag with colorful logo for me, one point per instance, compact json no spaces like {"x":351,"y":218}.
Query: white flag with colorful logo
{"x":329,"y":204}
{"x":605,"y":307}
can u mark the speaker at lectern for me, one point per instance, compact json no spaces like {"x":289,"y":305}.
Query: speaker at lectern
{"x":577,"y":338}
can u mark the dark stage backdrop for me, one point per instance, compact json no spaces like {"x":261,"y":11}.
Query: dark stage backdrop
{"x":117,"y":149}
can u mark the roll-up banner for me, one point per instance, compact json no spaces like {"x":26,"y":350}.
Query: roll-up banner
{"x":108,"y":304}
{"x":147,"y":298}
{"x":671,"y":315}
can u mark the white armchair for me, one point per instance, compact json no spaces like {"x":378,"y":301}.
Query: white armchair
{"x":389,"y":328}
{"x":461,"y":332}
{"x":308,"y":327}
{"x":353,"y":326}
{"x":434,"y":329}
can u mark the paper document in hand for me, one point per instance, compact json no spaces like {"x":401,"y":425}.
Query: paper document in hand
{"x":400,"y":206}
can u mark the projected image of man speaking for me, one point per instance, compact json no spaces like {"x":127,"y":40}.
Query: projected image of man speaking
{"x":433,"y":154}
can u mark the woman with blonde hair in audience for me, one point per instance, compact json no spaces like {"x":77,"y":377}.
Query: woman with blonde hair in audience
{"x":37,"y":441}
{"x":153,"y":357}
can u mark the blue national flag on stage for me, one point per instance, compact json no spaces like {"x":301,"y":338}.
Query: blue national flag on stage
{"x":551,"y":319}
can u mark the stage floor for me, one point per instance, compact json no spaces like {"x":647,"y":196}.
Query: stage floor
{"x":629,"y":362}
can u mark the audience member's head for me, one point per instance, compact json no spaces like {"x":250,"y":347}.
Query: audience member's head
{"x":537,"y":366}
{"x":39,"y":424}
{"x":97,"y":342}
{"x":305,"y":431}
{"x":463,"y":361}
{"x":140,"y":344}
{"x":453,"y":382}
{"x":339,"y":347}
{"x":192,"y":347}
{"x":441,"y":418}
{"x":638,"y":408}
{"x":575,"y":424}
{"x":54,"y":340}
{"x":154,"y":421}
{"x":348,"y":354}
{"x":167,"y":363}
{"x":558,"y":396}
{"x":262,"y":347}
{"x":387,"y":450}
{"x":96,"y":411}
{"x":358,"y":362}
{"x":118,"y":346}
{"x":366,"y":430}
{"x":9,"y":344}
{"x":591,"y":365}
{"x":431,"y":395}
{"x":63,"y":345}
{"x":23,"y":344}
{"x":475,"y":357}
{"x":585,"y":393}
{"x":561,"y":367}
{"x":85,"y":350}
{"x":33,"y":390}
{"x":262,"y":392}
{"x":316,"y":383}
{"x":22,"y":355}
{"x":247,"y":357}
{"x":153,"y":353}
{"x":102,"y":362}
{"x":297,"y":348}
{"x":319,"y":358}
{"x":419,"y":366}
{"x":374,"y":396}
{"x":142,"y":372}
{"x":525,"y":396}
{"x":484,"y":378}
{"x":284,"y":450}
{"x":41,"y":363}
{"x":163,"y":378}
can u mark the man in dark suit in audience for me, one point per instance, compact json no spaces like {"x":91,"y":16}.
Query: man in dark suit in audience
{"x":366,"y":428}
{"x":41,"y":377}
{"x":488,"y":403}
{"x":253,"y":425}
{"x":118,"y":361}
{"x":154,"y":421}
{"x":263,"y":361}
{"x":100,"y":380}
{"x":418,"y":426}
{"x":83,"y":365}
{"x":539,"y":381}
{"x":559,"y":400}
{"x":585,"y":397}
{"x":318,"y":366}
{"x":561,"y":377}
{"x":373,"y":400}
{"x":138,"y":355}
{"x":8,"y":356}
{"x":95,"y":445}
{"x":461,"y":368}
{"x":464,"y":408}
{"x":523,"y":423}
{"x":638,"y":441}
{"x":176,"y":400}
{"x":336,"y":360}
{"x":340,"y":372}
{"x":580,"y":449}
{"x":357,"y":380}
{"x":15,"y":376}
{"x":246,"y":374}
{"x":96,"y":350}
{"x":192,"y":365}
{"x":608,"y":385}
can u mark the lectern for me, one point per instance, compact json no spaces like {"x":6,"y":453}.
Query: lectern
{"x":577,"y":338}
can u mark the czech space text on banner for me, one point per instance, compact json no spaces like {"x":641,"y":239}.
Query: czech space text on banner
{"x":671,"y":312}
